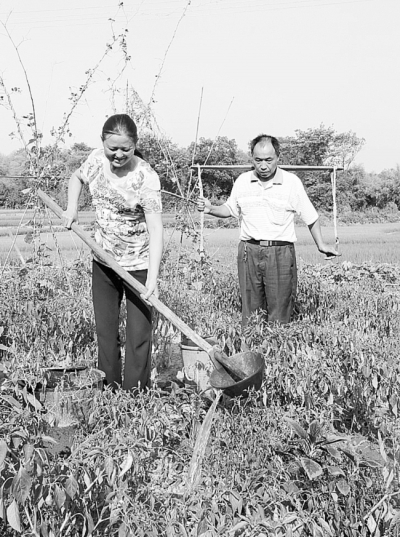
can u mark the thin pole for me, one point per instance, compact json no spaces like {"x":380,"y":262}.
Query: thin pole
{"x":201,"y":215}
{"x":333,"y":181}
{"x":213,"y":144}
{"x":195,"y":142}
{"x":178,"y":196}
{"x":14,"y":244}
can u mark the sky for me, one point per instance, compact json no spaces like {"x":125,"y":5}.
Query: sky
{"x":234,"y":68}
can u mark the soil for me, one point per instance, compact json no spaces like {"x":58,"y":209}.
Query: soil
{"x":173,"y":364}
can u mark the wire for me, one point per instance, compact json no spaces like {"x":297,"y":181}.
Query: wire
{"x":240,"y":6}
{"x":166,"y":52}
{"x":219,"y":130}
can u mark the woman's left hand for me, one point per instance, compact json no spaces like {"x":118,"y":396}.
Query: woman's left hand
{"x":152,"y":290}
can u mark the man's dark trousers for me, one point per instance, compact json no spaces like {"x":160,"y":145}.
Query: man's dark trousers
{"x":267,"y":279}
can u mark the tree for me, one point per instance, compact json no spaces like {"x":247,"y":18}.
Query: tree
{"x":310,"y":147}
{"x":323,"y":146}
{"x":18,"y":163}
{"x":3,"y":165}
{"x":344,"y":149}
{"x":222,"y":150}
{"x":75,"y":156}
{"x":65,"y":163}
{"x":389,"y":188}
{"x":166,"y":158}
{"x":352,"y":188}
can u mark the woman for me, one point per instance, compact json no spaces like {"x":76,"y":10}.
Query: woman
{"x":127,"y":197}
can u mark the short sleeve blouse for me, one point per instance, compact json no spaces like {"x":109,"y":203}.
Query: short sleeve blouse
{"x":121,"y":204}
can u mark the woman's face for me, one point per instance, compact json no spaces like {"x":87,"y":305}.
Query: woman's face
{"x":120,"y":150}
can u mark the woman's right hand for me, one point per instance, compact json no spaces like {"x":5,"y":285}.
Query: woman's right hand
{"x":69,"y":216}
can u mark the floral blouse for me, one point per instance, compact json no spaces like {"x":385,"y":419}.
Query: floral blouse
{"x":121,"y":204}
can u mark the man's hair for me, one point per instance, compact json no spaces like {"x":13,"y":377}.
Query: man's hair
{"x":264,"y":139}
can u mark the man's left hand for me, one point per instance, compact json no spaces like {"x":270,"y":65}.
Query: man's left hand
{"x":329,"y":251}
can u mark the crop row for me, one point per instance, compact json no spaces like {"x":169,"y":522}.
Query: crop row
{"x":314,"y":452}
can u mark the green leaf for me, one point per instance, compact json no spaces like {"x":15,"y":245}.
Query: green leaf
{"x":109,"y":466}
{"x":59,"y":496}
{"x":317,"y":531}
{"x":395,"y":520}
{"x":126,"y":465}
{"x":28,"y":452}
{"x":13,"y":516}
{"x":90,"y":522}
{"x":202,"y":528}
{"x":236,"y":502}
{"x":13,"y":402}
{"x":49,"y":439}
{"x":333,"y":439}
{"x":21,"y":485}
{"x":298,"y":429}
{"x":71,"y":487}
{"x":34,"y":402}
{"x":325,"y":526}
{"x":312,"y":468}
{"x":314,"y":430}
{"x":349,"y":454}
{"x":123,"y":530}
{"x":335,"y":470}
{"x":332,"y":451}
{"x":343,"y":487}
{"x":371,"y":524}
{"x":3,"y":452}
{"x":29,"y":237}
{"x":371,"y":463}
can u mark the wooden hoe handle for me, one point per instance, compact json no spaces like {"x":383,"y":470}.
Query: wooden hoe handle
{"x":217,"y":358}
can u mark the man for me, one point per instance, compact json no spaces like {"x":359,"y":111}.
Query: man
{"x":265,"y":201}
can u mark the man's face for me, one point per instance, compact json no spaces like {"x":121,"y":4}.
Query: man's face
{"x":265,"y":160}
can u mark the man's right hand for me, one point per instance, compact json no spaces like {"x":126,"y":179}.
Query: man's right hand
{"x":68,"y":217}
{"x":203,"y":204}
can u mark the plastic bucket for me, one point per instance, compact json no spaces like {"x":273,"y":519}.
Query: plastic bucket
{"x":197,"y":366}
{"x":66,"y":393}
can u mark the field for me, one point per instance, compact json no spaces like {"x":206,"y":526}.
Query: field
{"x":315,"y":452}
{"x":358,"y":243}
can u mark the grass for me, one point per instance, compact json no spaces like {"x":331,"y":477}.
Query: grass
{"x":367,"y":243}
{"x":376,"y":243}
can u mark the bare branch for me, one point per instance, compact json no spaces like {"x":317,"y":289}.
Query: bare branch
{"x":32,"y":123}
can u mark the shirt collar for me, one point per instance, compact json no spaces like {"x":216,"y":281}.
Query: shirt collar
{"x":277,"y":180}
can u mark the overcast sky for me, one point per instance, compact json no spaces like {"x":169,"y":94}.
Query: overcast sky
{"x":269,"y":66}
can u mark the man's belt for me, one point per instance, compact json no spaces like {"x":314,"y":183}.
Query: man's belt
{"x":269,"y":243}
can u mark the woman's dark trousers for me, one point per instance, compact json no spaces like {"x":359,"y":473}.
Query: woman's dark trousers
{"x":108,"y":289}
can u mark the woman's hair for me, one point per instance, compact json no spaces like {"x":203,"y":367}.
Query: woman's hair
{"x":120,"y":124}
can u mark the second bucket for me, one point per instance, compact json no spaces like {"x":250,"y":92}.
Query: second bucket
{"x":197,"y":366}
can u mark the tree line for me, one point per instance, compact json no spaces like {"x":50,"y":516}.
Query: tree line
{"x":357,"y":190}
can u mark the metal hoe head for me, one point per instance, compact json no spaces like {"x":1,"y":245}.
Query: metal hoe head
{"x":252,"y":363}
